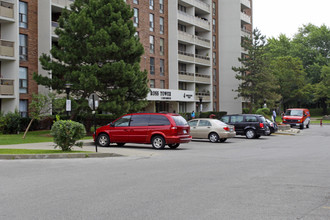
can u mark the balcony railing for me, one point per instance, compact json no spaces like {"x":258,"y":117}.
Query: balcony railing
{"x":201,"y":22}
{"x":184,"y":36}
{"x":6,"y":87}
{"x":6,"y":9}
{"x":206,"y":96}
{"x":246,"y":18}
{"x":203,"y":78}
{"x":246,"y":3}
{"x":198,"y":4}
{"x":186,"y":56}
{"x":186,"y":76}
{"x":6,"y":48}
{"x":202,"y":59}
{"x":63,"y":3}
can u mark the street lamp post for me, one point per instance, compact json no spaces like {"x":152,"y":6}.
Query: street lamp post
{"x":68,"y":101}
{"x":200,"y":105}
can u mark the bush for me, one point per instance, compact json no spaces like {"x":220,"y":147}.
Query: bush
{"x":67,"y":133}
{"x":263,"y":111}
{"x":10,"y":123}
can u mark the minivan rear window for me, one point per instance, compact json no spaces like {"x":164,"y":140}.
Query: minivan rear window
{"x":179,"y":120}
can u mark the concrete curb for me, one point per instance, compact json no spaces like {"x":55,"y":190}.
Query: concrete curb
{"x":57,"y":156}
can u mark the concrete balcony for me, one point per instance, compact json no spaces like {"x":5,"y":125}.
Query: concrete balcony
{"x":54,"y":26}
{"x":200,"y":22}
{"x":205,"y":95}
{"x":6,"y":87}
{"x":184,"y":56}
{"x":6,"y":12}
{"x":246,"y":33}
{"x":6,"y":50}
{"x":200,"y":78}
{"x":202,"y":41}
{"x":185,"y":76}
{"x":198,"y":4}
{"x":62,"y":3}
{"x":184,"y":36}
{"x":245,"y":18}
{"x":246,"y":3}
{"x":202,"y":60}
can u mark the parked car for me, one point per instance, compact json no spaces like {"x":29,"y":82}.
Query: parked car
{"x":212,"y":129}
{"x":250,"y":125}
{"x":272,"y":126}
{"x":159,"y":129}
{"x":297,"y":117}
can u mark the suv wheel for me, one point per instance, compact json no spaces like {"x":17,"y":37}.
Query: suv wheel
{"x":214,"y":137}
{"x":250,"y":134}
{"x":158,"y":142}
{"x":103,"y":140}
{"x":174,"y":146}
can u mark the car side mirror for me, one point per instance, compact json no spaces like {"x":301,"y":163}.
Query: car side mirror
{"x":112,"y":124}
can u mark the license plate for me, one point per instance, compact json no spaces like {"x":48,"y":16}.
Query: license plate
{"x":184,"y":131}
{"x":231,"y":129}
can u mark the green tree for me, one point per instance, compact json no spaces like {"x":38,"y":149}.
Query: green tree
{"x":322,"y":89}
{"x":256,"y":83}
{"x":97,"y":51}
{"x":291,"y":77}
{"x":39,"y":106}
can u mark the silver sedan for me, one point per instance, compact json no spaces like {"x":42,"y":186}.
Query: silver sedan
{"x":212,"y":129}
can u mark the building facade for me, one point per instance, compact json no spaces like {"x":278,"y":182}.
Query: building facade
{"x":190,"y":48}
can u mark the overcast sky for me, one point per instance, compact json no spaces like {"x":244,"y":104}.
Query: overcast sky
{"x":285,"y":16}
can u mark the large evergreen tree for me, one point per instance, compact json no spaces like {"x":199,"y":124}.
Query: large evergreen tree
{"x":97,"y":51}
{"x":256,"y":83}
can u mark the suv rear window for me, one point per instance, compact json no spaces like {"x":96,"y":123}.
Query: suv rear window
{"x":251,"y":119}
{"x":179,"y":120}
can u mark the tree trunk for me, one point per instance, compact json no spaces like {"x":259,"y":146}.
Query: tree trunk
{"x":28,"y":127}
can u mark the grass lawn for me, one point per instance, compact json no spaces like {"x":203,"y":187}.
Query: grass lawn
{"x":31,"y":137}
{"x":29,"y":151}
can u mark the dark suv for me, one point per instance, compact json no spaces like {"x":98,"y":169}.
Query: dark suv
{"x":250,"y":125}
{"x":158,"y":129}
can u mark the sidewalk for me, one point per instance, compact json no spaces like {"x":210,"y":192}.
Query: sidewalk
{"x":112,"y":151}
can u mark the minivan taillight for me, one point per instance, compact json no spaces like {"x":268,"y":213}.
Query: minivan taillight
{"x":174,"y":128}
{"x":261,"y":125}
{"x":226,"y":128}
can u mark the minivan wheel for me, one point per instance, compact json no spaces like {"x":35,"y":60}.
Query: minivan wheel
{"x":214,"y":137}
{"x":158,"y":142}
{"x":307,"y":126}
{"x":103,"y":140}
{"x":174,"y":146}
{"x":250,"y":134}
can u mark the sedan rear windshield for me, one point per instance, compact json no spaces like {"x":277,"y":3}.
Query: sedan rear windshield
{"x":179,"y":120}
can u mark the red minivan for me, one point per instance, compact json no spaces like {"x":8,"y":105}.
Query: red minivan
{"x":297,"y":117}
{"x":158,"y":129}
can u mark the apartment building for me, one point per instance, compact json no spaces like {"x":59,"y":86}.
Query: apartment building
{"x":190,"y":48}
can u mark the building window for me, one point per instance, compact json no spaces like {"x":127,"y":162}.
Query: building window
{"x":215,"y":92}
{"x":183,"y":86}
{"x":151,"y":22}
{"x":162,"y":84}
{"x":23,"y":74}
{"x":162,"y":67}
{"x":161,"y":25}
{"x":213,"y":25}
{"x":23,"y":47}
{"x":136,"y":2}
{"x":214,"y":59}
{"x":152,"y":44}
{"x":182,"y":67}
{"x":161,"y":46}
{"x":182,"y":47}
{"x":213,"y":8}
{"x":214,"y":106}
{"x":23,"y":107}
{"x":214,"y":41}
{"x":151,"y":4}
{"x":136,"y":34}
{"x":182,"y":27}
{"x":136,"y":17}
{"x":152,"y":66}
{"x":152,"y":83}
{"x":182,"y":8}
{"x":182,"y":107}
{"x":161,"y":6}
{"x":23,"y":19}
{"x":214,"y":74}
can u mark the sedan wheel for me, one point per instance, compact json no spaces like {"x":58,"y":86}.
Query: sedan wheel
{"x":174,"y":146}
{"x":103,"y":140}
{"x":214,"y":137}
{"x":222,"y":140}
{"x":250,"y":134}
{"x":158,"y":142}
